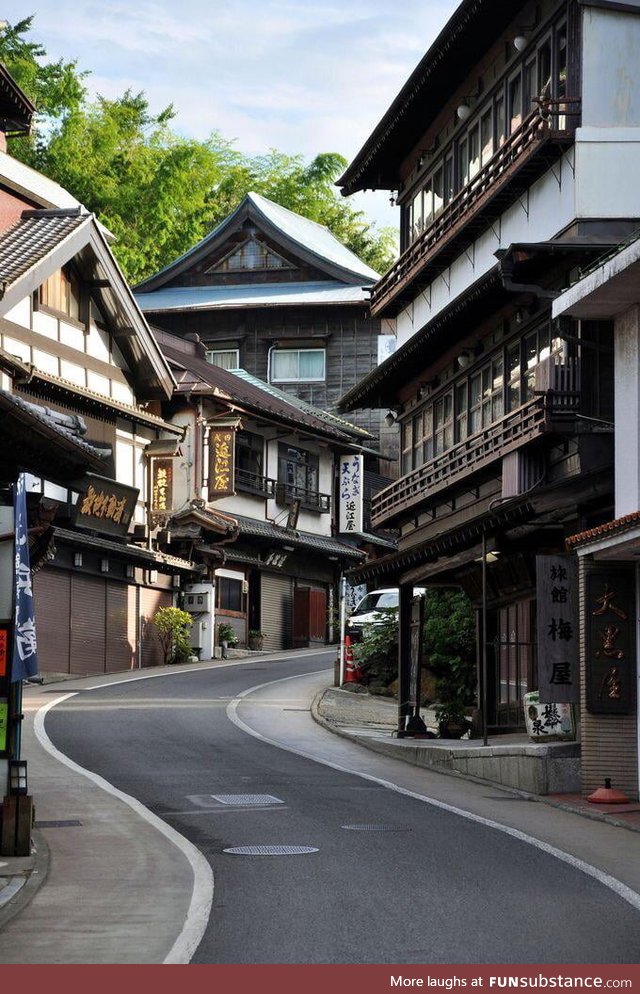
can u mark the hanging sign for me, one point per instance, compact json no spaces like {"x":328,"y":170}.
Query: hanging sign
{"x":221,"y":462}
{"x":351,"y":493}
{"x":161,"y":485}
{"x":4,"y":652}
{"x":4,"y":722}
{"x":557,"y":629}
{"x":610,"y":652}
{"x":106,"y":506}
{"x":25,"y":644}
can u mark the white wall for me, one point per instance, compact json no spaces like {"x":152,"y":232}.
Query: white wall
{"x":611,"y":82}
{"x":627,"y":412}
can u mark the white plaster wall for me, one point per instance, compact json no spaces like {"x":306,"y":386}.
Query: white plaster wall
{"x":607,"y":167}
{"x":183,"y":478}
{"x":547,"y":208}
{"x":611,"y":82}
{"x":248,"y":505}
{"x":627,"y":412}
{"x":20,"y":313}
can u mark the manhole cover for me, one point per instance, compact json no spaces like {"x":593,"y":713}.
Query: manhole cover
{"x":377,"y":828}
{"x":270,"y":850}
{"x":246,"y":800}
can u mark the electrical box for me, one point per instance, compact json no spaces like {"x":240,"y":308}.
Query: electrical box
{"x":198,"y":602}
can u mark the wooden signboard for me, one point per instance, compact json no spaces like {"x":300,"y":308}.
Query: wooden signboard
{"x":221,"y":462}
{"x":610,"y":642}
{"x":106,"y":506}
{"x":557,"y":629}
{"x":161,"y":485}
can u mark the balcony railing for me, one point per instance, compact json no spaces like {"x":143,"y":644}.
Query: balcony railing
{"x":311,"y":500}
{"x":552,"y":121}
{"x":543,"y":413}
{"x":253,"y":483}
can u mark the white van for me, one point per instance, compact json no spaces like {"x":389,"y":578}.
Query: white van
{"x":373,"y":607}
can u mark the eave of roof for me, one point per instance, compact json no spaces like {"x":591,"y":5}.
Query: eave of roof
{"x":311,"y":241}
{"x":124,"y":550}
{"x":41,"y":242}
{"x":472,"y":28}
{"x":379,"y":387}
{"x":258,"y":398}
{"x":609,"y":530}
{"x":209,"y":298}
{"x":298,"y":539}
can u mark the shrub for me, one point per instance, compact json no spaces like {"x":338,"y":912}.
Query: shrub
{"x":377,"y":654}
{"x":450,"y":645}
{"x":174,"y":627}
{"x":226,"y":633}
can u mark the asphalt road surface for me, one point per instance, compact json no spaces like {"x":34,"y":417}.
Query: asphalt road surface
{"x":362,"y":873}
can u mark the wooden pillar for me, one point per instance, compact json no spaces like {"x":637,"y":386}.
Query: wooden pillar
{"x":404,"y":657}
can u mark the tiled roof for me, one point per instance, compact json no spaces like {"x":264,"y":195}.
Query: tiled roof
{"x":206,"y":298}
{"x":32,"y":238}
{"x":608,"y":530}
{"x":195,"y":375}
{"x":149,"y":557}
{"x":305,"y":540}
{"x":298,"y":232}
{"x":37,"y":416}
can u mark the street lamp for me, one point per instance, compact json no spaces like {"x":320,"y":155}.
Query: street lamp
{"x":17,"y":776}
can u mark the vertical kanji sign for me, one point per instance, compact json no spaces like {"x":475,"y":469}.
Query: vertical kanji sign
{"x":25,"y":646}
{"x":221,"y":462}
{"x":610,"y":643}
{"x":351,"y":493}
{"x":161,"y":485}
{"x":557,"y":629}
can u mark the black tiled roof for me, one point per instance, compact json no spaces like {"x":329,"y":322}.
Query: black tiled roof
{"x":33,"y":237}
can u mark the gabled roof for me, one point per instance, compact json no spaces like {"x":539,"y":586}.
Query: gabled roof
{"x":471,"y":29}
{"x":16,"y":110}
{"x":299,"y":540}
{"x":312,"y":242}
{"x":243,"y":392}
{"x":211,"y":298}
{"x":44,"y":240}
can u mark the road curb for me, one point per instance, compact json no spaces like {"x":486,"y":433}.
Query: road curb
{"x":24,"y":887}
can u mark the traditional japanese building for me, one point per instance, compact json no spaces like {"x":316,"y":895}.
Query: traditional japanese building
{"x":278,"y":295}
{"x":82,"y":380}
{"x":268,"y":462}
{"x":511,"y":151}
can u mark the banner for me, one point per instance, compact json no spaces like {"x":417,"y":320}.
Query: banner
{"x":351,"y":492}
{"x":25,"y":646}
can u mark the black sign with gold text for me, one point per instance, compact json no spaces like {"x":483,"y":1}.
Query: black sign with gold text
{"x":162,"y":484}
{"x":610,"y":642}
{"x":106,"y":506}
{"x":221,"y":462}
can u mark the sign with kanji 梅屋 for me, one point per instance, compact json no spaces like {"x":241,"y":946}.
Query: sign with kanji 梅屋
{"x":557,"y":629}
{"x":161,"y":485}
{"x":106,"y":506}
{"x":221,"y":462}
{"x":610,"y":653}
{"x":351,"y":493}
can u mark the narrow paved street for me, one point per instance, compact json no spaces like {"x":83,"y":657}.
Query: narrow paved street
{"x":366,"y":873}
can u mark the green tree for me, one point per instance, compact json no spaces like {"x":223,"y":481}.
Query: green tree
{"x":174,"y":627}
{"x":157,"y":191}
{"x":450,"y":647}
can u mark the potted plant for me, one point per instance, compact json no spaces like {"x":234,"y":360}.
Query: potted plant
{"x":256,"y":638}
{"x":452,"y":718}
{"x":226,"y":636}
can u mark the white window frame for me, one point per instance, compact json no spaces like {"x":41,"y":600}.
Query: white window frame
{"x":298,"y":379}
{"x":212,"y":352}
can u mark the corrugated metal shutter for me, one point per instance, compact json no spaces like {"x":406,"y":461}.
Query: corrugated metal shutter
{"x":120,"y":653}
{"x":88,"y":625}
{"x":277,"y":624}
{"x":150,"y":601}
{"x":52,"y":593}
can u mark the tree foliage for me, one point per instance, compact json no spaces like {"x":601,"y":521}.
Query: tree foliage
{"x":174,"y":627}
{"x":450,"y":647}
{"x":156,"y":190}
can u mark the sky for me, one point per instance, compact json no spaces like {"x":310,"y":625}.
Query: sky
{"x":299,"y":76}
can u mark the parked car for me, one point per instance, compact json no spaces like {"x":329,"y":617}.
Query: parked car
{"x":373,"y":609}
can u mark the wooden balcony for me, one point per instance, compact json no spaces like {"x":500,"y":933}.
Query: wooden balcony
{"x":525,"y":155}
{"x":253,"y":483}
{"x":311,"y":500}
{"x":546,"y":412}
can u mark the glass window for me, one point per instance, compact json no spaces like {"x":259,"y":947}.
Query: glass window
{"x":463,"y":163}
{"x":486,"y":136}
{"x":461,"y":411}
{"x":229,"y":593}
{"x":529,"y":86}
{"x":561,"y":61}
{"x":417,"y":218}
{"x":443,"y":424}
{"x":407,"y":446}
{"x":249,"y":452}
{"x":438,"y":191}
{"x":297,"y":365}
{"x":474,"y":150}
{"x":448,"y":179}
{"x":501,"y":127}
{"x":427,"y":203}
{"x":513,"y":367}
{"x":298,"y":469}
{"x":544,"y":69}
{"x":225,"y":358}
{"x":515,"y":103}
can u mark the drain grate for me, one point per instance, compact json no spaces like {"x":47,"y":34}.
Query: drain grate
{"x":270,"y":850}
{"x":377,"y":828}
{"x":247,"y":800}
{"x":69,"y":823}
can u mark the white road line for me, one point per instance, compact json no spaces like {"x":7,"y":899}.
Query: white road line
{"x":615,"y":885}
{"x":203,"y":883}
